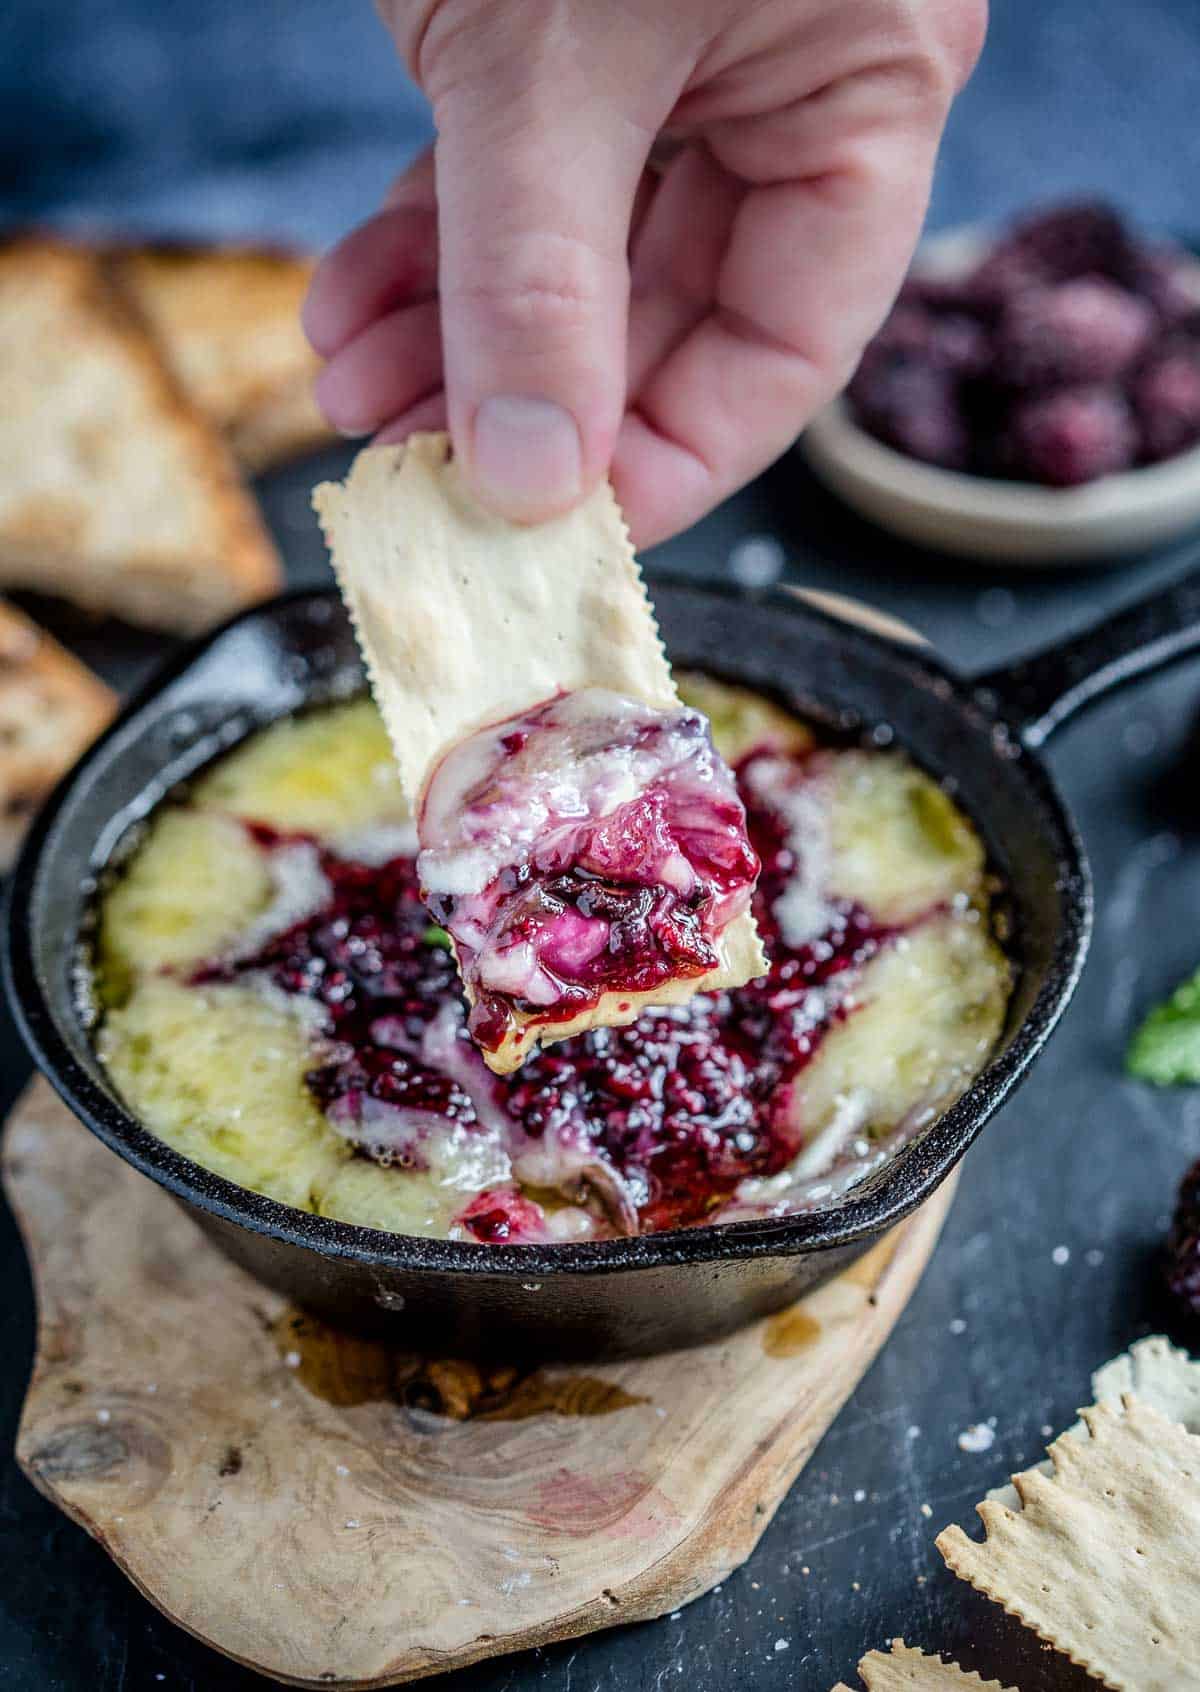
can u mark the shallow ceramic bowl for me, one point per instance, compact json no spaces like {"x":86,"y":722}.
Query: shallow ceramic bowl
{"x":976,"y":516}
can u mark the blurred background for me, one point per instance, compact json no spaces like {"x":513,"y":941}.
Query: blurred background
{"x":264,"y":121}
{"x":288,"y":118}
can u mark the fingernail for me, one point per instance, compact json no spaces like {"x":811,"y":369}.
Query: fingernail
{"x":527,"y":458}
{"x":329,"y":393}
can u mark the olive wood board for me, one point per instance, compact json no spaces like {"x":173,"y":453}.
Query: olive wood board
{"x":329,"y":1511}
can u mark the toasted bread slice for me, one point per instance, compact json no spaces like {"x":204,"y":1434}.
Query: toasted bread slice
{"x":51,"y":707}
{"x":229,"y":322}
{"x":115,"y":491}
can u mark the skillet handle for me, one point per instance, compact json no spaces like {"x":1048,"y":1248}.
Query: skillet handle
{"x":1038,"y":693}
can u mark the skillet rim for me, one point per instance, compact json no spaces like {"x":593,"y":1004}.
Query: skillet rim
{"x":902,"y":1184}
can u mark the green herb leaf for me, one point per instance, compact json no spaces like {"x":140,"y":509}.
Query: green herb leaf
{"x":1166,"y":1048}
{"x":435,"y":936}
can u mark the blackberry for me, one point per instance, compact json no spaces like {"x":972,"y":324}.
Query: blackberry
{"x":1183,"y":1243}
{"x":960,"y":343}
{"x":1166,"y":397}
{"x":1081,"y":239}
{"x":912,"y":405}
{"x":1071,"y":350}
{"x":1000,"y":276}
{"x":938,"y":294}
{"x":907,"y":330}
{"x":1088,"y":330}
{"x":1167,"y":282}
{"x":1072,"y":435}
{"x":948,"y":340}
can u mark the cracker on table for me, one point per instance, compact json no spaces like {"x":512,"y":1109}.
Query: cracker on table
{"x":1100,"y":1558}
{"x":906,"y":1669}
{"x":1153,"y":1370}
{"x":1159,"y":1374}
{"x":465,"y":619}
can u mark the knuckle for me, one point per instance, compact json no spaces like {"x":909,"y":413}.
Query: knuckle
{"x":934,"y":46}
{"x":959,"y":28}
{"x":548,"y":287}
{"x":435,"y":37}
{"x":951,"y":35}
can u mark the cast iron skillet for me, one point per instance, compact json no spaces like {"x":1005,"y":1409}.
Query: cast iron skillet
{"x":618,"y":1296}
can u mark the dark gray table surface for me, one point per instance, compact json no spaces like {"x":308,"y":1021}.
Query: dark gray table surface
{"x":288,"y":118}
{"x":1082,"y":1159}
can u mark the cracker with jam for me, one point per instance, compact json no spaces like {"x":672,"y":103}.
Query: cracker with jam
{"x":582,"y":842}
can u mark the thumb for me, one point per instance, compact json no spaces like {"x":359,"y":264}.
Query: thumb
{"x":536,"y":170}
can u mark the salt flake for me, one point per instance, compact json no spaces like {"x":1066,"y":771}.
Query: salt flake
{"x":978,"y":1437}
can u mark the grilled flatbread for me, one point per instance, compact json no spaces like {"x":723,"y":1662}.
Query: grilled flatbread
{"x":51,"y":708}
{"x":115,"y":491}
{"x":229,"y":323}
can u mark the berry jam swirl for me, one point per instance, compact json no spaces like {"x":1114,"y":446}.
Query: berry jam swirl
{"x":654,"y":1125}
{"x":278,"y":1005}
{"x":588,"y":846}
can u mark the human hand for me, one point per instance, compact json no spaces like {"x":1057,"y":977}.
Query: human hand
{"x":651,"y":237}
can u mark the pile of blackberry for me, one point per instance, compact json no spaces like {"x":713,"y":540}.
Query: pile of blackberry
{"x":1071,"y":350}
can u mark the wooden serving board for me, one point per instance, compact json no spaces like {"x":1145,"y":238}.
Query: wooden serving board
{"x":329,"y":1511}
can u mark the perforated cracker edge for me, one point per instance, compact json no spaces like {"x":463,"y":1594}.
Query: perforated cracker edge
{"x":907,"y":1669}
{"x":1066,"y":1563}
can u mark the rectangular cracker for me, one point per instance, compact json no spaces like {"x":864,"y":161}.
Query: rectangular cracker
{"x":1100,"y":1558}
{"x":1158,"y":1374}
{"x":51,"y":708}
{"x":741,"y":959}
{"x":908,"y":1670}
{"x":116,"y":492}
{"x":1153,"y":1370}
{"x":465,"y":620}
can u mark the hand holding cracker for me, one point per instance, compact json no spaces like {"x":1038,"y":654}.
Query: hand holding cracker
{"x":656,"y":240}
{"x":582,"y":842}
